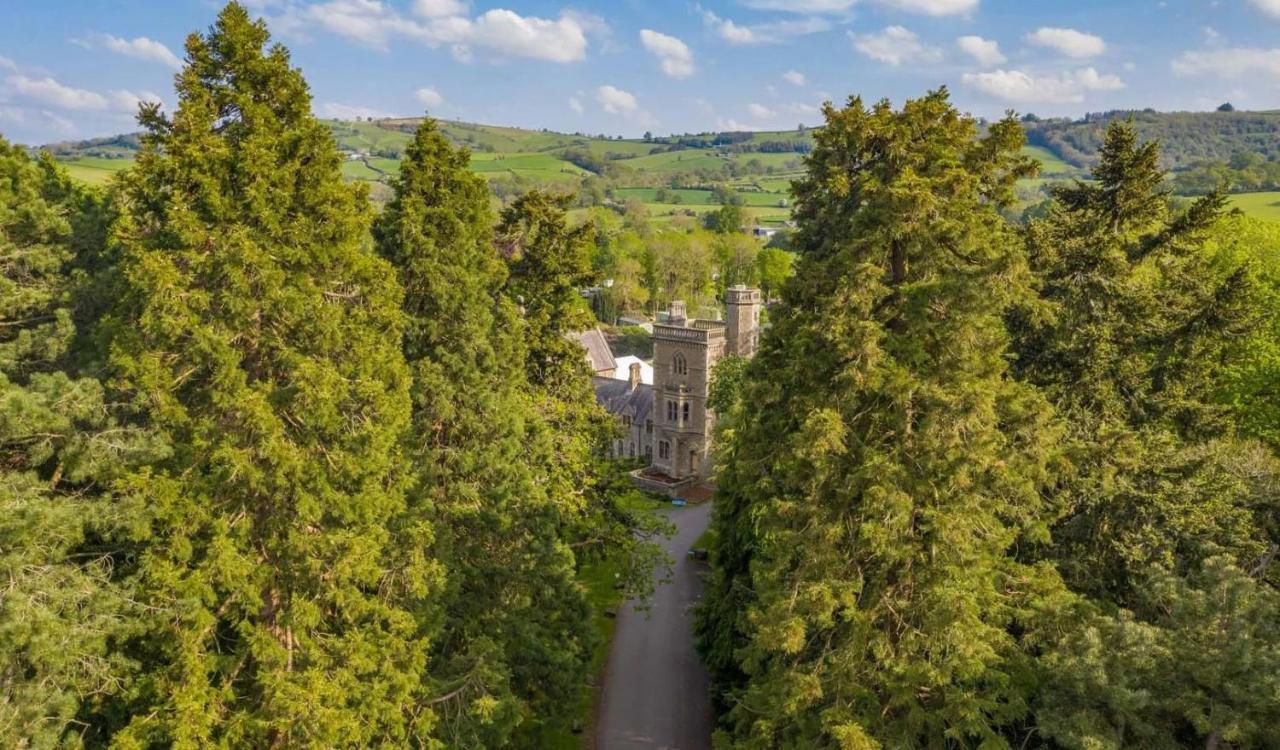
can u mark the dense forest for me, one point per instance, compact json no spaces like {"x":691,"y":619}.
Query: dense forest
{"x":990,"y":486}
{"x":283,"y":469}
{"x":269,"y":477}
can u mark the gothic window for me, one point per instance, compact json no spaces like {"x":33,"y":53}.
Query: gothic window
{"x":631,"y":450}
{"x":648,"y":427}
{"x":685,"y":418}
{"x":678,"y":364}
{"x":648,"y":451}
{"x":671,"y":411}
{"x":664,"y":449}
{"x":626,"y":421}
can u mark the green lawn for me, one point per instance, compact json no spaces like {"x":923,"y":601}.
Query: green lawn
{"x":1260,"y":205}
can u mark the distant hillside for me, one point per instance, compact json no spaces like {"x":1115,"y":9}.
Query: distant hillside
{"x":688,"y":175}
{"x":1185,"y":137}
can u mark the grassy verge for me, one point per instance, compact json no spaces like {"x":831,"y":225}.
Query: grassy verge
{"x":599,"y":578}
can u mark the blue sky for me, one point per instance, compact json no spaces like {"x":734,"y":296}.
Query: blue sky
{"x":76,"y":68}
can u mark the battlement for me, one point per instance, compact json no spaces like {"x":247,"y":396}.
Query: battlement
{"x":742,"y":295}
{"x":693,"y":335}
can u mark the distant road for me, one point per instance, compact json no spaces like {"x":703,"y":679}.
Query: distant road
{"x":655,"y":689}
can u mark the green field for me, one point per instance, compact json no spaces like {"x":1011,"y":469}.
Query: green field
{"x":1049,"y":161}
{"x":535,"y":165}
{"x":1260,"y":205}
{"x":95,"y":170}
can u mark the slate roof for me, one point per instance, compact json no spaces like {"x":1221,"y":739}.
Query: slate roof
{"x":598,"y":352}
{"x":618,"y":397}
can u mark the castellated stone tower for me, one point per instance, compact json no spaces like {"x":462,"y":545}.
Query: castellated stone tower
{"x":684,"y":352}
{"x":742,"y":307}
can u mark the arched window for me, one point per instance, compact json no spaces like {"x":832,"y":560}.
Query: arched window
{"x":685,"y":417}
{"x":678,"y":364}
{"x":671,"y":411}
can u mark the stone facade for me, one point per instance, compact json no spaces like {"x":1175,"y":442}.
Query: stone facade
{"x":669,"y":423}
{"x":683,"y":357}
{"x":742,"y":316}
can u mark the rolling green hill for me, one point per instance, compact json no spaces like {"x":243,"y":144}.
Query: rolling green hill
{"x":674,"y":175}
{"x":1185,"y":137}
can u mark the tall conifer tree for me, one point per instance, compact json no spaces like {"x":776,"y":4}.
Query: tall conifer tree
{"x":550,"y":262}
{"x":285,"y":578}
{"x":883,"y":467}
{"x":1169,"y":523}
{"x":513,"y":646}
{"x":63,"y":537}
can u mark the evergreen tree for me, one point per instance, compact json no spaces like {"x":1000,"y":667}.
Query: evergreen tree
{"x":883,"y":467}
{"x":549,"y":263}
{"x":1168,"y":523}
{"x":1133,"y":325}
{"x":513,"y":645}
{"x":62,"y":534}
{"x":286,"y":580}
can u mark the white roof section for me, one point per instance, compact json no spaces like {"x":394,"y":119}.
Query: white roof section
{"x":624,"y":370}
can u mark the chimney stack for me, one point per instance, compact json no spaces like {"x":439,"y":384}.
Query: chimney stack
{"x":635,"y":375}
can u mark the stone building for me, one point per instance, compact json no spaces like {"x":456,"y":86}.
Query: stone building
{"x":668,"y":423}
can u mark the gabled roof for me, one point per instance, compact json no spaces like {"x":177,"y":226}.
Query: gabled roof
{"x":624,"y":369}
{"x":618,"y":397}
{"x":598,"y":352}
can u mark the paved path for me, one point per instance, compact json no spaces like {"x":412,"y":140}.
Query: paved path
{"x":655,"y":693}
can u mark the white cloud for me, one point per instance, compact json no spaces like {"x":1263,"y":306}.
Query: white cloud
{"x":50,"y":93}
{"x":985,"y":52}
{"x":575,"y":105}
{"x":439,"y":8}
{"x":128,"y":101}
{"x":794,"y":77}
{"x":440,"y":22}
{"x":760,"y":112}
{"x":563,"y":40}
{"x":1069,"y":42}
{"x":615,"y":101}
{"x":894,"y":46}
{"x":764,"y":33}
{"x":337,"y":111}
{"x":428,"y":97}
{"x":675,"y":55}
{"x":801,"y":6}
{"x":7,"y":64}
{"x":141,"y":48}
{"x":799,"y":108}
{"x":927,"y":7}
{"x":932,"y":7}
{"x":1230,"y":63}
{"x":1270,"y":7}
{"x":1020,"y":87}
